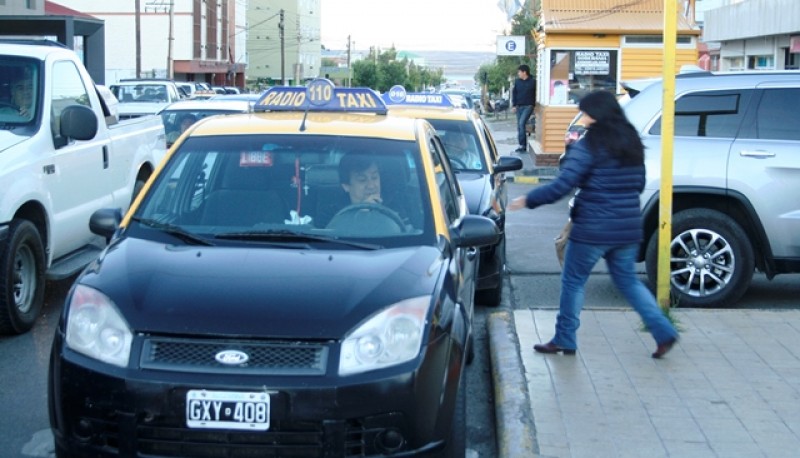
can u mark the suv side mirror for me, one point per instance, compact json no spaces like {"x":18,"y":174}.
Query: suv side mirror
{"x":507,"y":164}
{"x":105,"y":222}
{"x":78,"y":122}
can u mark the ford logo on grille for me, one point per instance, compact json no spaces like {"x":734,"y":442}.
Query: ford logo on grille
{"x":231,"y":357}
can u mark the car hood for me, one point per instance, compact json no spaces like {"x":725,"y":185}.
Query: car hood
{"x":9,"y":139}
{"x":257,"y":292}
{"x":475,"y":187}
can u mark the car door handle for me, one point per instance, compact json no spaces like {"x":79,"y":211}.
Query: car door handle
{"x":471,"y":253}
{"x":757,"y":153}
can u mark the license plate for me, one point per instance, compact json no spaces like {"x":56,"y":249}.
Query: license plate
{"x":227,"y":410}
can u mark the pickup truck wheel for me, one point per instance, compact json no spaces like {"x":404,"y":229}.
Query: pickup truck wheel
{"x":22,"y":273}
{"x":711,"y":259}
{"x":137,"y":187}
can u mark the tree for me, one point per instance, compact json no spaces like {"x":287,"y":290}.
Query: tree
{"x":365,"y":73}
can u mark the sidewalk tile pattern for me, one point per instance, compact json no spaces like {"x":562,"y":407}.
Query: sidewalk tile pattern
{"x":730,"y":388}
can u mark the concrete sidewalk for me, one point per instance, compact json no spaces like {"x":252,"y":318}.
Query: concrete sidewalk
{"x":730,"y":388}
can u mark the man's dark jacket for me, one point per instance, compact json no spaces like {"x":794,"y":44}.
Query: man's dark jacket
{"x":606,"y":209}
{"x":524,"y":92}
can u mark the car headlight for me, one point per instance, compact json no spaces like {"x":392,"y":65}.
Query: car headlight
{"x":96,"y":329}
{"x":390,"y":337}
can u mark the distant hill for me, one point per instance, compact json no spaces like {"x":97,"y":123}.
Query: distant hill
{"x":457,"y":65}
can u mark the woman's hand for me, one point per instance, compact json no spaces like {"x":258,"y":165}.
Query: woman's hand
{"x":517,"y":204}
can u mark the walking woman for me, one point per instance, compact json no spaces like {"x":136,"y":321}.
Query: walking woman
{"x":607,"y":166}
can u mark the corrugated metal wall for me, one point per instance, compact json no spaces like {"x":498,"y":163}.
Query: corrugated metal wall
{"x":647,"y":62}
{"x":752,"y":18}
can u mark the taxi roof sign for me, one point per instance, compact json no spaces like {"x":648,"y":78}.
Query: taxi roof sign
{"x":321,"y":95}
{"x":424,"y":99}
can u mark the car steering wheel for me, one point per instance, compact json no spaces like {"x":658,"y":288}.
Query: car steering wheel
{"x":373,"y":208}
{"x":9,"y":105}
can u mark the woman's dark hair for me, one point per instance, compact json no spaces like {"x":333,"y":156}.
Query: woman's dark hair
{"x":611,"y":130}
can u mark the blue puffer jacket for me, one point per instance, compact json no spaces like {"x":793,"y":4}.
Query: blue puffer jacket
{"x":606,"y":210}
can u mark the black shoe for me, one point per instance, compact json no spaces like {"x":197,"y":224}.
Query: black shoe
{"x":550,"y":348}
{"x":521,"y":150}
{"x":663,"y":348}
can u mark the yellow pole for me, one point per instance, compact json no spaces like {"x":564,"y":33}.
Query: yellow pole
{"x":667,"y":137}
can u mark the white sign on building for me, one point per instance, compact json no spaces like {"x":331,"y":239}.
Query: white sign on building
{"x":592,"y":62}
{"x":510,"y":45}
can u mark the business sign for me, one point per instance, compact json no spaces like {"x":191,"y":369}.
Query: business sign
{"x":510,"y":45}
{"x":592,"y":62}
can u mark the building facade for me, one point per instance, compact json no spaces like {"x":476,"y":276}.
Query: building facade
{"x":208,"y":38}
{"x":588,"y":45}
{"x":300,"y":59}
{"x":21,"y":7}
{"x":755,"y":34}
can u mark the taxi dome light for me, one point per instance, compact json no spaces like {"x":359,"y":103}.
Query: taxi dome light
{"x":321,"y":95}
{"x":398,"y":96}
{"x":96,"y":329}
{"x":390,"y":337}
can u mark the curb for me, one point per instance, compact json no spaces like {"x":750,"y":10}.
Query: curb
{"x":513,"y":416}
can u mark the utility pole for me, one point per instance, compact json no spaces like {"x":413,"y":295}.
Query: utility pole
{"x":138,"y":39}
{"x":170,"y":39}
{"x":349,"y":70}
{"x":283,"y":69}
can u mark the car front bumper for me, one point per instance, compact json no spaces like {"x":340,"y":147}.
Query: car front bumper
{"x":97,"y":410}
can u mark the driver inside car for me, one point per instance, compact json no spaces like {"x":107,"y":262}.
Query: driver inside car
{"x":361,"y":179}
{"x":460,"y":149}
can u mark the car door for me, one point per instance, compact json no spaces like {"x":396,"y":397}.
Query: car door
{"x":463,"y":267}
{"x":499,"y":192}
{"x":765,"y":165}
{"x":79,"y":169}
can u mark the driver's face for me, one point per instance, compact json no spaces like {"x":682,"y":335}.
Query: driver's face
{"x":22,"y":93}
{"x":364,"y":186}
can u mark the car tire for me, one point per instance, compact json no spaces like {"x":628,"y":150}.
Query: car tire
{"x":470,"y":356}
{"x":722,"y":279}
{"x":22,"y":272}
{"x":137,"y":187}
{"x":457,"y":441}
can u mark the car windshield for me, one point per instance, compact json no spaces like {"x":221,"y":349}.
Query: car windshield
{"x":19,"y":90}
{"x":147,"y":93}
{"x":461,"y":144}
{"x":294,"y":188}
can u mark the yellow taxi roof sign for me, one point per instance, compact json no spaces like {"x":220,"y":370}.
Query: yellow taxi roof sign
{"x":321,"y":95}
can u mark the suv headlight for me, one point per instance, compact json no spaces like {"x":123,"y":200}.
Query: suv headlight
{"x":96,"y":329}
{"x":390,"y":337}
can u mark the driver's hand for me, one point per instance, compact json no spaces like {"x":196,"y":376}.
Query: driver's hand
{"x":373,"y":199}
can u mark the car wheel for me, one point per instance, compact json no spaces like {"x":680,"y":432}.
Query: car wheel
{"x":22,"y":273}
{"x":137,"y":187}
{"x":470,"y":349}
{"x":711,"y":259}
{"x":457,"y":442}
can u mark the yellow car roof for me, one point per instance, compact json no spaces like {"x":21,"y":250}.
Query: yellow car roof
{"x":316,"y":123}
{"x":410,"y":111}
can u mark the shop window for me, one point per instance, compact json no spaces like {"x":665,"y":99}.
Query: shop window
{"x":656,"y":40}
{"x":760,"y":63}
{"x":575,"y":73}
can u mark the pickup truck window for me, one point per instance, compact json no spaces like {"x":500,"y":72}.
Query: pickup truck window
{"x":19,"y":91}
{"x":68,"y":89}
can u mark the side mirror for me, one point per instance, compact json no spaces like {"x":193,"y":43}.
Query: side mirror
{"x":105,"y":222}
{"x":476,"y":231}
{"x":507,"y":164}
{"x":78,"y":122}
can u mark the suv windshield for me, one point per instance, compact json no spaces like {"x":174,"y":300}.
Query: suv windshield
{"x":141,"y":92}
{"x":310,"y":189}
{"x":19,"y":90}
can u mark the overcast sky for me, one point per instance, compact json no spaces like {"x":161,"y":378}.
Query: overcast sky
{"x":462,"y":25}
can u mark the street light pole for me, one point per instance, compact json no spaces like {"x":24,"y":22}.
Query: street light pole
{"x":138,"y":21}
{"x":170,"y":40}
{"x":283,"y":67}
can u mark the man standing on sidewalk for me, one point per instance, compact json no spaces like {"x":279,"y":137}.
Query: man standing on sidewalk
{"x":523,"y":98}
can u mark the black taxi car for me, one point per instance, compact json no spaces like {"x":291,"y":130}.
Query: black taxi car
{"x":479,"y":168}
{"x":249,"y":304}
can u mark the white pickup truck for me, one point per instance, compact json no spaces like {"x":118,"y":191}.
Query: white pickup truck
{"x":62,"y":156}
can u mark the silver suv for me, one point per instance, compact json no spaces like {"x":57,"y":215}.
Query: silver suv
{"x":736,"y":202}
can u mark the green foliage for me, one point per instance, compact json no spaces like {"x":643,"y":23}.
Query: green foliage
{"x":382,"y":70}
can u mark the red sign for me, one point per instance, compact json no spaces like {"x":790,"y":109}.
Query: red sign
{"x":794,"y":44}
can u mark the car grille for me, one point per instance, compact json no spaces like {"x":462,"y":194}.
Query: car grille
{"x":269,"y":358}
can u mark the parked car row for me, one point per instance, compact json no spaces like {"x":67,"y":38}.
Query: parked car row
{"x":281,"y":267}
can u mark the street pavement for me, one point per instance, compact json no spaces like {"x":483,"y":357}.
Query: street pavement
{"x":729,"y":388}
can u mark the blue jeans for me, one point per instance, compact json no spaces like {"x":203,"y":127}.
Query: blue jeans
{"x":579,"y":259}
{"x":524,"y":113}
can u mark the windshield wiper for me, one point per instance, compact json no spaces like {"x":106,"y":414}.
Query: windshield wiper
{"x":173,"y":230}
{"x":286,"y":235}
